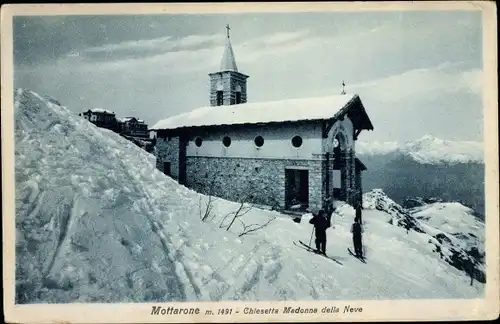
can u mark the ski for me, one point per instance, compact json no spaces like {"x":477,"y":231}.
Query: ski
{"x":354,"y":255}
{"x":310,"y":249}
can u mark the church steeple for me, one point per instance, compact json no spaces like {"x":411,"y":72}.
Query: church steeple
{"x":228,"y":62}
{"x":228,"y":86}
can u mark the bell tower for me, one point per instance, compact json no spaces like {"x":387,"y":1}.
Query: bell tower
{"x":228,"y":86}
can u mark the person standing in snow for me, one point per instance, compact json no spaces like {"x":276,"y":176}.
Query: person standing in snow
{"x":357,"y":231}
{"x":329,"y":211}
{"x":320,"y":223}
{"x":358,"y":213}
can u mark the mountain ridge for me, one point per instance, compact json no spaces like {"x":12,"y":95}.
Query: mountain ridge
{"x":427,"y":150}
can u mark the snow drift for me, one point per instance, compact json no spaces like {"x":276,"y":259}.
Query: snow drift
{"x":96,"y":222}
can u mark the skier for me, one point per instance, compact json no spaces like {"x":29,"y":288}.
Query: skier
{"x":329,"y":211}
{"x":358,"y":212}
{"x":320,"y":223}
{"x":356,"y":231}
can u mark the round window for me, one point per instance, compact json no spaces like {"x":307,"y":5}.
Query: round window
{"x":297,"y":141}
{"x":226,"y":141}
{"x":259,"y":141}
{"x":198,"y":141}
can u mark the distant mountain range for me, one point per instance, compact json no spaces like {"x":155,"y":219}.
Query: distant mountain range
{"x":428,"y":150}
{"x":428,"y":167}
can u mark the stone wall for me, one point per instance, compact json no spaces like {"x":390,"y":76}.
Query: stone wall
{"x":229,"y":82}
{"x":167,"y":150}
{"x":348,"y":155}
{"x":350,"y":177}
{"x":260,"y":181}
{"x":243,"y":171}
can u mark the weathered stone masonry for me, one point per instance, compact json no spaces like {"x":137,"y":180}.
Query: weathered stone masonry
{"x":256,"y":180}
{"x":230,"y":83}
{"x":260,"y":181}
{"x":167,"y":150}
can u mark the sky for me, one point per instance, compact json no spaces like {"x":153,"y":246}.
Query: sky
{"x":417,"y":73}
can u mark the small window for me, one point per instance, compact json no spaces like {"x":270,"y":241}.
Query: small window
{"x":198,"y":141}
{"x":297,"y":141}
{"x":259,"y":141}
{"x":238,"y":97}
{"x":226,"y":141}
{"x":220,"y":98}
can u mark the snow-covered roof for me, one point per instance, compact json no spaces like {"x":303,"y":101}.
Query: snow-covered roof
{"x":100,"y":110}
{"x":316,"y":108}
{"x":125,"y":119}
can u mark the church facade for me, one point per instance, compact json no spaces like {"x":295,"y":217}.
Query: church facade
{"x":291,"y":155}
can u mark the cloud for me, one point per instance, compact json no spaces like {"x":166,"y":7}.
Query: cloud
{"x":181,"y":55}
{"x":146,"y":48}
{"x":422,"y":82}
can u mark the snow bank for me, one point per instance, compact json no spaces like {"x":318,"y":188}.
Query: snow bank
{"x":452,"y":229}
{"x":96,"y":222}
{"x":428,"y":150}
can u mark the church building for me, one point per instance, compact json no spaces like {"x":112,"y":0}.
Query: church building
{"x":291,"y":155}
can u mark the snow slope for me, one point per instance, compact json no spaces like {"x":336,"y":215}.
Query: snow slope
{"x":428,"y":150}
{"x":96,"y":222}
{"x":453,"y":229}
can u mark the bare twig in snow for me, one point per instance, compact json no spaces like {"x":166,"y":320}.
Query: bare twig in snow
{"x":208,"y":208}
{"x":242,"y":210}
{"x":254,"y":227}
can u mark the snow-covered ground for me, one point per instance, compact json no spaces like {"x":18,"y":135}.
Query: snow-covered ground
{"x":428,"y":149}
{"x":96,"y":222}
{"x":455,"y":232}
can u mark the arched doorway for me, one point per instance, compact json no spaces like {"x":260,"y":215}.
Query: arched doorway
{"x":339,"y":167}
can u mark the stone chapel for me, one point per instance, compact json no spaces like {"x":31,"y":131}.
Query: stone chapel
{"x":292,"y":155}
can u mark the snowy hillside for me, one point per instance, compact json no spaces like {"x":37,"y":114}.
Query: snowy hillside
{"x":428,"y":150}
{"x":96,"y":222}
{"x":455,"y":231}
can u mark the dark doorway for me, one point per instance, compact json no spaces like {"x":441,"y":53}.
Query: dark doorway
{"x":183,"y":140}
{"x":296,"y":189}
{"x":167,"y":168}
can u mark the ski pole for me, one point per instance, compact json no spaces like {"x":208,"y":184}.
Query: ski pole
{"x":310,"y":240}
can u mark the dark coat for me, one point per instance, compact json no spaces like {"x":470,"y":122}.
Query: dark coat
{"x":358,"y":213}
{"x":320,"y":223}
{"x":356,"y":229}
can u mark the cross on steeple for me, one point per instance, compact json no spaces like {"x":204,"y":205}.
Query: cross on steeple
{"x":227,"y":30}
{"x":343,"y":86}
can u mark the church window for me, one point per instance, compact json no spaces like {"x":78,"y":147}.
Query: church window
{"x":259,"y":141}
{"x":220,"y":100}
{"x":297,"y":141}
{"x":198,"y":141}
{"x":238,"y":97}
{"x":226,"y":141}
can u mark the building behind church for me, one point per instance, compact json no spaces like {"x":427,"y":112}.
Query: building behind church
{"x":291,"y":155}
